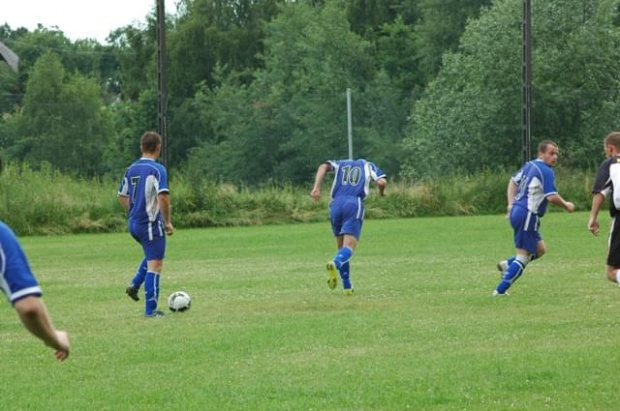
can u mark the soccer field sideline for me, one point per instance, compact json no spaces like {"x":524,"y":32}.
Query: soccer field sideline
{"x":265,"y":333}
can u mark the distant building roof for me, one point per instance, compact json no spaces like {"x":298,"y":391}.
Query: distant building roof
{"x":9,"y":56}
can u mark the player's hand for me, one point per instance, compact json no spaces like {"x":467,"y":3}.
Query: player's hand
{"x":570,"y":207}
{"x":594,"y":227}
{"x":169,"y":228}
{"x":316,"y":194}
{"x":63,"y":341}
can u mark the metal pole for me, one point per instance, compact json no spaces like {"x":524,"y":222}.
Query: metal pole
{"x":527,"y":80}
{"x":162,"y":105}
{"x":349,"y":124}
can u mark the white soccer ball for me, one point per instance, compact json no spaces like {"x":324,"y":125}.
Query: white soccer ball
{"x":179,"y":301}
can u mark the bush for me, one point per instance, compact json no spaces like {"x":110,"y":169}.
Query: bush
{"x":48,"y":202}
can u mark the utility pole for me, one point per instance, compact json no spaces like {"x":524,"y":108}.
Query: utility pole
{"x":162,"y":102}
{"x":527,"y":80}
{"x":349,"y":124}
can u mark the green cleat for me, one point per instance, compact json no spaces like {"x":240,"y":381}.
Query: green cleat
{"x":348,"y":291}
{"x":332,"y":275}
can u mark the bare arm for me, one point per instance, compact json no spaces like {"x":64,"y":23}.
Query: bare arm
{"x":511,"y":193}
{"x":382,"y":184}
{"x":164,"y":206}
{"x":559,"y":201}
{"x":318,"y":180}
{"x":33,"y":314}
{"x":124,"y":200}
{"x":597,"y":202}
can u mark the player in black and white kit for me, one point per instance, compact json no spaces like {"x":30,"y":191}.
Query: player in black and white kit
{"x":607,"y":185}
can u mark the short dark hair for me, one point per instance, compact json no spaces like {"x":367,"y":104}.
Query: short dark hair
{"x":613,"y":139}
{"x":542,"y":146}
{"x":149,"y":142}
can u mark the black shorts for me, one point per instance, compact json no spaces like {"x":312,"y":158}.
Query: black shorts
{"x":613,"y":256}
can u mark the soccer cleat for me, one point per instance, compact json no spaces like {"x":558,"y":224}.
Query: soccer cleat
{"x":348,"y":291}
{"x":496,"y":294}
{"x":156,"y":314}
{"x":502,"y":266}
{"x":132,"y":293}
{"x":332,"y":275}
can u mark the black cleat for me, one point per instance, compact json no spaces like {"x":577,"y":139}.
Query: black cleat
{"x":132,"y":293}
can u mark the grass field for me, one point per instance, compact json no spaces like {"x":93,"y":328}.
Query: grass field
{"x":265,"y":333}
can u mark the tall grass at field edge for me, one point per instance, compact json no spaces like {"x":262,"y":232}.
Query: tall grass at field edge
{"x":47,"y":202}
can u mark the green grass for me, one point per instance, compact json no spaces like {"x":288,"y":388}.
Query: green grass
{"x":265,"y":332}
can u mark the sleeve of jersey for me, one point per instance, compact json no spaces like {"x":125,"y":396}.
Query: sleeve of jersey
{"x":19,"y":280}
{"x":376,"y":173}
{"x":123,"y":189}
{"x":602,"y":179}
{"x":516,"y":178}
{"x":163,"y":181}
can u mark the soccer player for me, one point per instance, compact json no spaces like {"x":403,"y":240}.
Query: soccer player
{"x":23,"y":291}
{"x":528,"y":192}
{"x":607,"y":185}
{"x":346,"y":210}
{"x":145,"y":196}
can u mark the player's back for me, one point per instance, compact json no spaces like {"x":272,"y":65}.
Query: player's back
{"x":142,"y":185}
{"x":352,"y":177}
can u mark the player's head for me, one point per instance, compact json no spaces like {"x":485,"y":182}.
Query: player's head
{"x":548,"y":152}
{"x":150,"y":143}
{"x":612,"y":143}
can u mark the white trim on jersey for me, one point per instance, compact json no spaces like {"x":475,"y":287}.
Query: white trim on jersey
{"x":151,"y":189}
{"x":335,"y":166}
{"x":3,"y":284}
{"x":26,"y":291}
{"x":368,"y":172}
{"x":614,"y":176}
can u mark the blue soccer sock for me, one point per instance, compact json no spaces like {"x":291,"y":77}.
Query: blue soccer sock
{"x":138,"y":279}
{"x":151,"y":291}
{"x":343,"y":256}
{"x":515,"y":270}
{"x":345,"y":276}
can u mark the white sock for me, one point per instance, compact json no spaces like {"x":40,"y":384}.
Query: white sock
{"x":618,"y":276}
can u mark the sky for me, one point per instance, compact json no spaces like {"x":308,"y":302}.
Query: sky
{"x":78,"y":19}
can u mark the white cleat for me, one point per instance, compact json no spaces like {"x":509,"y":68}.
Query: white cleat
{"x":496,"y":294}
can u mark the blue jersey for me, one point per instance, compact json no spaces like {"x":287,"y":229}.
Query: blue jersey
{"x":143,"y":181}
{"x":352,"y":177}
{"x":535,"y":183}
{"x":16,"y":278}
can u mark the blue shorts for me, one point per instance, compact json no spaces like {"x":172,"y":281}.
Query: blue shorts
{"x":525,"y":225}
{"x":151,"y":237}
{"x":347,"y":215}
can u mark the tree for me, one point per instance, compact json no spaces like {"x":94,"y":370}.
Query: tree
{"x":439,"y":30}
{"x":62,"y":122}
{"x":470,"y":117}
{"x":293,"y":115}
